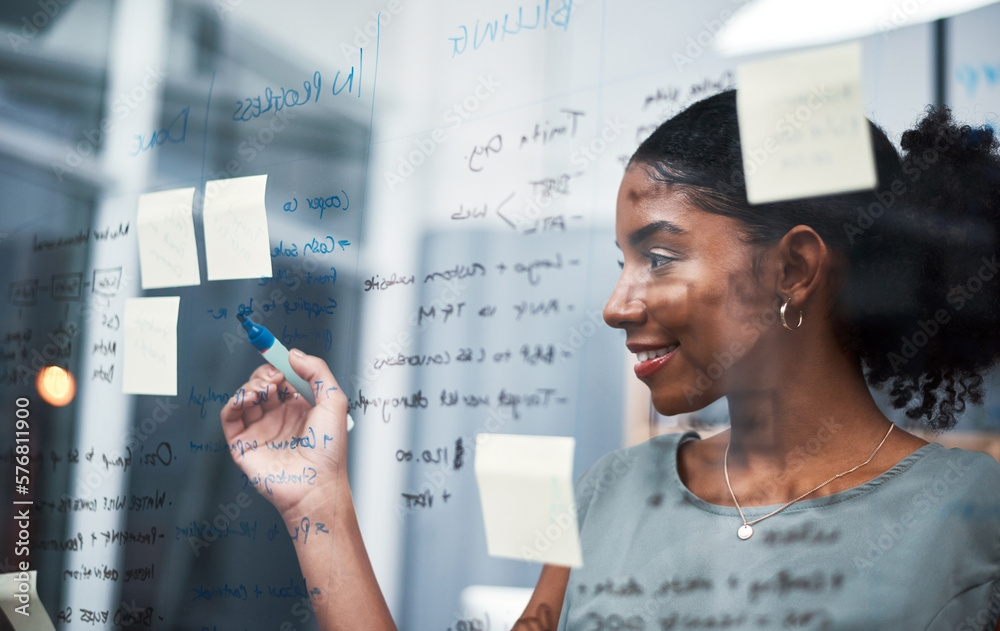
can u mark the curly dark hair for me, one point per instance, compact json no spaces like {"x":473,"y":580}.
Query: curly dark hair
{"x":920,"y":302}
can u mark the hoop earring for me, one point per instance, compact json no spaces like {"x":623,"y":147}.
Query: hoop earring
{"x":784,"y":322}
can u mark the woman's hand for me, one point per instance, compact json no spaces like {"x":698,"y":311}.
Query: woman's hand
{"x":294,"y":454}
{"x":296,"y":457}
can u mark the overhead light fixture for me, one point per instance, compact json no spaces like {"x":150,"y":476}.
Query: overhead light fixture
{"x":771,"y":25}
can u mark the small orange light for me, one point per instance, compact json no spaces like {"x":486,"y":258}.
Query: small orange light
{"x":56,"y":385}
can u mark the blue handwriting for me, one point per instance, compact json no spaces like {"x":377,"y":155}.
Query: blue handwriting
{"x":246,"y":529}
{"x":303,"y":528}
{"x":341,"y":202}
{"x":512,"y":24}
{"x":972,"y":77}
{"x":291,"y":338}
{"x":209,"y":396}
{"x":273,"y":100}
{"x":293,"y":589}
{"x":306,"y":477}
{"x":312,"y":309}
{"x":326,"y":245}
{"x":175,"y":132}
{"x":306,"y":441}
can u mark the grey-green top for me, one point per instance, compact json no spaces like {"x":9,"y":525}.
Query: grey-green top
{"x":918,"y":547}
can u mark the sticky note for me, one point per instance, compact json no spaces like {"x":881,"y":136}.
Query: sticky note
{"x":150,"y":354}
{"x":526,"y":492}
{"x":802,"y":125}
{"x":236,"y":238}
{"x":19,"y":601}
{"x":168,"y":252}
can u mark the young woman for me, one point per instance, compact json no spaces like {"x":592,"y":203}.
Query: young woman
{"x":813,"y":511}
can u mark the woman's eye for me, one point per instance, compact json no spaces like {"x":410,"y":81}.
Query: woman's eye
{"x":658,"y":260}
{"x":621,"y":264}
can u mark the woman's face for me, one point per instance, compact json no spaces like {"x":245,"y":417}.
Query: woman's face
{"x":687,"y":297}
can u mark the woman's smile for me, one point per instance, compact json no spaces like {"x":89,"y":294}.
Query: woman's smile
{"x":651,"y":360}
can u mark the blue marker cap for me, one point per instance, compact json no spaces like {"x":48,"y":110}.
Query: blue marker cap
{"x":260,"y":337}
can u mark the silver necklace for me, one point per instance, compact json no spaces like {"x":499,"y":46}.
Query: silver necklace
{"x":746,"y":530}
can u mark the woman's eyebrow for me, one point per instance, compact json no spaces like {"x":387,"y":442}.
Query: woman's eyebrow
{"x":641,"y":234}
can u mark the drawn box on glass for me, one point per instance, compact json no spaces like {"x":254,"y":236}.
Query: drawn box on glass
{"x":67,"y":286}
{"x":107,"y":281}
{"x":24,"y":293}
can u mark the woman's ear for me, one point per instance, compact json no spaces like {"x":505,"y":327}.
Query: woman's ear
{"x":804,"y":261}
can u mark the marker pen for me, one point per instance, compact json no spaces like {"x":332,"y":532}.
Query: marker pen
{"x":277,"y":355}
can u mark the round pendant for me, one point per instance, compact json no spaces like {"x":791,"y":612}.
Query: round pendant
{"x":745,"y":532}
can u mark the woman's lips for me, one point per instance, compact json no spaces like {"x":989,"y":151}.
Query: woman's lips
{"x":649,"y":366}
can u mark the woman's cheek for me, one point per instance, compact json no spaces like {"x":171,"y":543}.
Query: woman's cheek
{"x":750,"y":333}
{"x":673,"y":305}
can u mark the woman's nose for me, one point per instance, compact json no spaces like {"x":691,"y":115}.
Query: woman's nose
{"x":624,"y":307}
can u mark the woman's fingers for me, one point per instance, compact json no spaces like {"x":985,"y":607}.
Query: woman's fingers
{"x":316,"y":373}
{"x":268,"y":395}
{"x":330,"y":399}
{"x":239,"y":412}
{"x":232,"y":416}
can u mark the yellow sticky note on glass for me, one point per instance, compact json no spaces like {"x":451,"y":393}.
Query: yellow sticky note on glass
{"x":802,"y":125}
{"x":149,"y":361}
{"x":168,"y":252}
{"x":526,"y":492}
{"x":236,"y":237}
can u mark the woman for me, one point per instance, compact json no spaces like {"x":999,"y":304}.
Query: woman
{"x":813,"y":511}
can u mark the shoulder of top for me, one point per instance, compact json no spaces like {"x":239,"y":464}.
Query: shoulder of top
{"x":981,"y":467}
{"x":652,"y":450}
{"x":969,"y":456}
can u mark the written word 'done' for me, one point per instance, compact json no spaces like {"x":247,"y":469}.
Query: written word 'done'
{"x":175,"y":132}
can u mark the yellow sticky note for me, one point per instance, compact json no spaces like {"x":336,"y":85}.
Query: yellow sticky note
{"x":168,"y":253}
{"x":236,"y":237}
{"x":802,"y":124}
{"x":526,"y":492}
{"x":150,"y":354}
